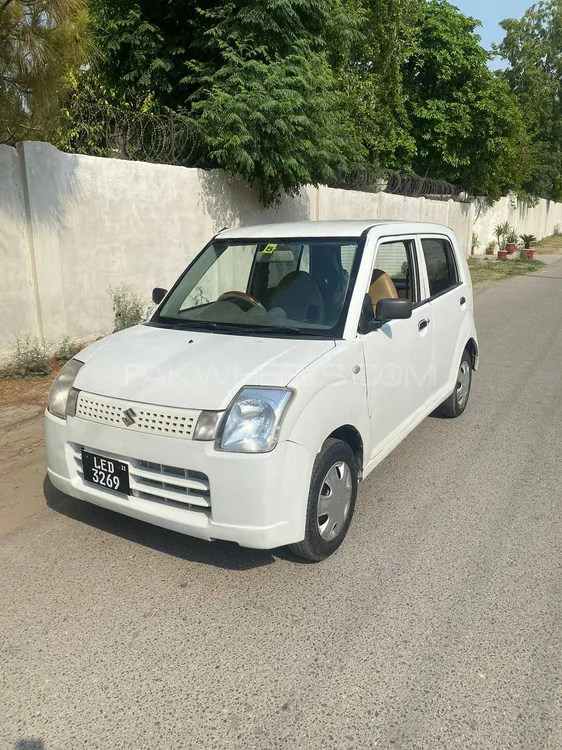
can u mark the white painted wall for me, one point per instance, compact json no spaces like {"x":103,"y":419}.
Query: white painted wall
{"x":351,"y":204}
{"x":96,"y":223}
{"x":539,"y":220}
{"x":72,"y":226}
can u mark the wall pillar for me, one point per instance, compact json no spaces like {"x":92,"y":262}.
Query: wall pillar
{"x":45,"y":221}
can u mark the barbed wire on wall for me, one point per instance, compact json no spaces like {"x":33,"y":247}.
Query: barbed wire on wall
{"x":95,"y":129}
{"x":127,"y":134}
{"x":375,"y":180}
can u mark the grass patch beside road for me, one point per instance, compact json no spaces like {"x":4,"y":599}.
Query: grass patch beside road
{"x":490,"y":270}
{"x":550,"y":245}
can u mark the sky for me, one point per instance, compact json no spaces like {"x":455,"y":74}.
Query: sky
{"x":491,"y":12}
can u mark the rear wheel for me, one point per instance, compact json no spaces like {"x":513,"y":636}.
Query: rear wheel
{"x":331,"y":501}
{"x":455,"y":405}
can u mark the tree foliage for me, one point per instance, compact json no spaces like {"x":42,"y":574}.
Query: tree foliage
{"x":420,"y":90}
{"x":533,"y":49}
{"x":266,"y":98}
{"x":253,"y":75}
{"x":465,"y":123}
{"x":289,"y":92}
{"x":372,"y":80}
{"x":42,"y":45}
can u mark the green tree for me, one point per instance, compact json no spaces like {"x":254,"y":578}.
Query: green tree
{"x":42,"y":45}
{"x":532,"y":47}
{"x":372,"y":81}
{"x":289,"y":92}
{"x":253,"y":75}
{"x":465,"y":122}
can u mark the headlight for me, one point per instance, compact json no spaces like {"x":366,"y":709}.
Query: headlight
{"x":253,"y":419}
{"x":62,"y":396}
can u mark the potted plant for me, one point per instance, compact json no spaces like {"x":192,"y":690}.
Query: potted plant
{"x":500,"y":231}
{"x":528,"y":240}
{"x":511,"y":240}
{"x":491,"y":247}
{"x":502,"y":253}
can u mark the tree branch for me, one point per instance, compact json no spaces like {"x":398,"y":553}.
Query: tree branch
{"x":4,"y":5}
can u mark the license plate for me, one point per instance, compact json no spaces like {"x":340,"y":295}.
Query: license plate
{"x":106,"y":472}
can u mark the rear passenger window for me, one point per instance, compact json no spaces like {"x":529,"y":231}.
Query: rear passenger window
{"x":440,"y":264}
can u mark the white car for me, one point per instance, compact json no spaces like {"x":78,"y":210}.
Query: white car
{"x":284,"y":364}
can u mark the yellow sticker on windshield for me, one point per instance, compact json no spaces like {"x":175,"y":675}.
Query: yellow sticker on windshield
{"x":269,"y":249}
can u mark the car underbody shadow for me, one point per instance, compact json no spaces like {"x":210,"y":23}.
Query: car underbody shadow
{"x":221,"y":554}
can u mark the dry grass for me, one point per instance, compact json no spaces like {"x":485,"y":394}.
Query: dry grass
{"x":493,"y":270}
{"x":28,"y":377}
{"x":550,"y":245}
{"x":31,"y":391}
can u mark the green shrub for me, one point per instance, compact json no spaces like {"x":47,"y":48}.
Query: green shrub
{"x":32,"y":358}
{"x":557,"y":232}
{"x":500,"y":231}
{"x":129,"y":308}
{"x":511,"y":237}
{"x":66,"y":350}
{"x":528,"y":240}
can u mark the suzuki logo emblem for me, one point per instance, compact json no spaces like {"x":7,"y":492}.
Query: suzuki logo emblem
{"x":128,"y":416}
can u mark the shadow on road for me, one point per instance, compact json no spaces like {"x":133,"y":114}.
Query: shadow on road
{"x":33,"y":744}
{"x":226,"y":555}
{"x":541,"y":276}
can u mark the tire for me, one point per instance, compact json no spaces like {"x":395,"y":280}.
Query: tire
{"x":334,"y":475}
{"x":457,"y":402}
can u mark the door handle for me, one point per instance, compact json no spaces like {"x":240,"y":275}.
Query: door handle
{"x":463,"y":301}
{"x":422,"y":325}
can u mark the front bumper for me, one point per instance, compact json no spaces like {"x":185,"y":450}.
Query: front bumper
{"x":255,"y":500}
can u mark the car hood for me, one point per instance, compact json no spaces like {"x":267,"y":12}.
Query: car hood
{"x":190,"y":369}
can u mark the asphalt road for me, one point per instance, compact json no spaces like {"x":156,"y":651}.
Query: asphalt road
{"x":437,"y":624}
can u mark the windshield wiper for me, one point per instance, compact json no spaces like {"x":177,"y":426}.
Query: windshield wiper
{"x":209,"y":325}
{"x":290,"y":330}
{"x":187,"y":324}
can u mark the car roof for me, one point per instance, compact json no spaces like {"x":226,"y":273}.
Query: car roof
{"x":344,"y":228}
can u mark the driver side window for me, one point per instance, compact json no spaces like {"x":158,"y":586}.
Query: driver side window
{"x":394,"y":271}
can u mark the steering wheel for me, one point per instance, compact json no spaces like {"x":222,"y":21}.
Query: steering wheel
{"x":234,"y":296}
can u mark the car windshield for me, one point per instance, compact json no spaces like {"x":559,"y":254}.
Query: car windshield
{"x":267,"y":286}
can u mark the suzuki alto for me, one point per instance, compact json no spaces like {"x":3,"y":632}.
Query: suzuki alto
{"x":280,"y":369}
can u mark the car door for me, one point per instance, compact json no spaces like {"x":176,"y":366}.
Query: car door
{"x":398,"y":355}
{"x":447,"y":295}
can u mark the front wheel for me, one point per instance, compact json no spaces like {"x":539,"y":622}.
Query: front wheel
{"x":331,"y":501}
{"x":455,"y":405}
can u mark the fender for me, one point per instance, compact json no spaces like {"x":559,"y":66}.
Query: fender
{"x":331,"y":393}
{"x":466,"y":334}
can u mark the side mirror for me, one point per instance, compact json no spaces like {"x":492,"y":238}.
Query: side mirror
{"x":387,"y":309}
{"x":158,"y":295}
{"x":393,"y":309}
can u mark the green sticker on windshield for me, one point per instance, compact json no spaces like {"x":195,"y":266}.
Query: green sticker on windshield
{"x":269,"y":249}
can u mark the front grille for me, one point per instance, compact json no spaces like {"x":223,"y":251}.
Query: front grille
{"x":169,"y":485}
{"x":157,"y":420}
